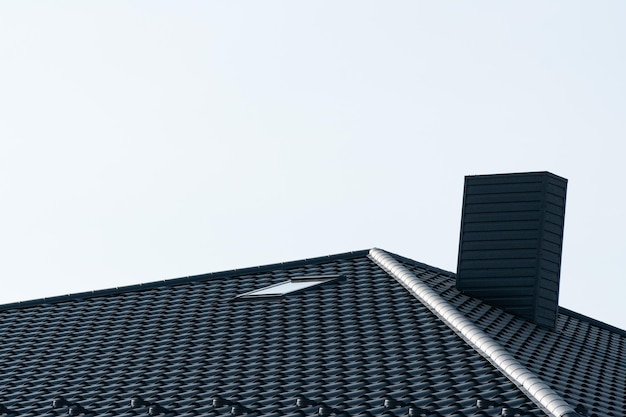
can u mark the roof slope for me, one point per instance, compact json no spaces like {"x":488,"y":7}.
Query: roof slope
{"x":582,"y":359}
{"x":346,"y":346}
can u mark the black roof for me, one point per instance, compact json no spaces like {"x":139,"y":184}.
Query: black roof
{"x":361,"y":345}
{"x":584,"y":360}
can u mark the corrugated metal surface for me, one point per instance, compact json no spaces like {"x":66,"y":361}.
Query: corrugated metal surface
{"x":511,"y":241}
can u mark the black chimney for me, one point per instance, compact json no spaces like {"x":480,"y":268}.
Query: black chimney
{"x":511,"y":241}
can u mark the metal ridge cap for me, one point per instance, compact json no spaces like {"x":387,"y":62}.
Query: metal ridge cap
{"x":530,"y":384}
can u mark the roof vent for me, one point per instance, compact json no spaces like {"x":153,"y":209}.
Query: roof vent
{"x":511,"y":241}
{"x":295,"y":284}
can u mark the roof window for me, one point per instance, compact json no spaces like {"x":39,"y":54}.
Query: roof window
{"x":293,"y":285}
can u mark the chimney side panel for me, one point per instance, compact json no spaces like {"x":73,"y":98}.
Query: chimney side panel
{"x":511,"y":242}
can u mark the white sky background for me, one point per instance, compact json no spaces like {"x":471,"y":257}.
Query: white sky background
{"x":142,"y":141}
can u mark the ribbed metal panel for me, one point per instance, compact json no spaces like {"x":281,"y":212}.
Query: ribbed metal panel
{"x":511,"y":241}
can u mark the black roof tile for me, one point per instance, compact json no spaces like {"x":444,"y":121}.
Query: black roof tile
{"x":582,"y":359}
{"x":347,"y":346}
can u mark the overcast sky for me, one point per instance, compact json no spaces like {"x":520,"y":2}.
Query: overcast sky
{"x":147,"y":140}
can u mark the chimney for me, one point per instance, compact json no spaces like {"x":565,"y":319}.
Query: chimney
{"x":511,"y":242}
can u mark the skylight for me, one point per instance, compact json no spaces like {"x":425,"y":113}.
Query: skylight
{"x":288,"y":287}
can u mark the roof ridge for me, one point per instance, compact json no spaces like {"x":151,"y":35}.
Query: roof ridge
{"x":420,"y":264}
{"x":529,"y":383}
{"x":183,"y":280}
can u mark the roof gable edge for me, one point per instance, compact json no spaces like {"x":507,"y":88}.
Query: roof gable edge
{"x":592,"y":321}
{"x":182,"y":280}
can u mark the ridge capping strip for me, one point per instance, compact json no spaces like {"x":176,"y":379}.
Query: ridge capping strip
{"x":533,"y":386}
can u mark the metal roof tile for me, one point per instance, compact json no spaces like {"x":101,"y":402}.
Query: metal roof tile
{"x":181,"y":343}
